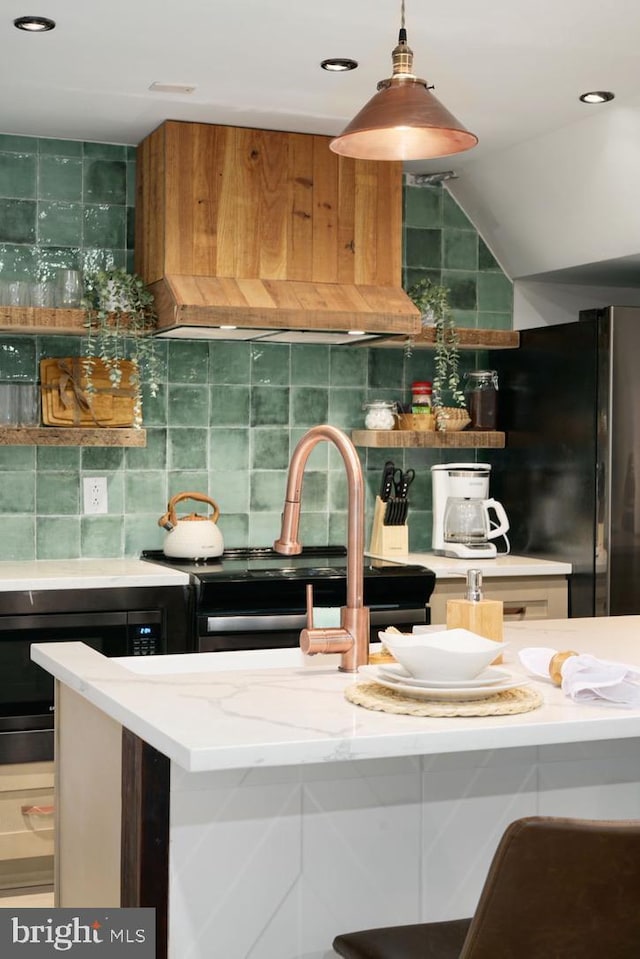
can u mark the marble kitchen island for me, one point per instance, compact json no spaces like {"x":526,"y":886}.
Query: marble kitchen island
{"x":262,"y":813}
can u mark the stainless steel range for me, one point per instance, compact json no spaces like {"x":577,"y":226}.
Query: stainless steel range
{"x":256,"y":598}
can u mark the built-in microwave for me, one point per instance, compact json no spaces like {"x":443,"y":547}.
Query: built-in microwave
{"x":139,"y":621}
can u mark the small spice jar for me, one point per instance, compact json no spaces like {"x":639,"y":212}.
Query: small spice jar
{"x":421,"y":392}
{"x":380,"y":415}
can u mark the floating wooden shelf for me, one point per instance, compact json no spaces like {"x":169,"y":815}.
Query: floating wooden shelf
{"x":38,"y":319}
{"x":393,"y":439}
{"x":469,"y":339}
{"x":62,"y":436}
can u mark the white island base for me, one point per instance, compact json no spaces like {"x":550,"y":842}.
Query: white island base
{"x":262,"y":814}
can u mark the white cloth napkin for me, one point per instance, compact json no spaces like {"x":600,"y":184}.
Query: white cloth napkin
{"x":586,"y":679}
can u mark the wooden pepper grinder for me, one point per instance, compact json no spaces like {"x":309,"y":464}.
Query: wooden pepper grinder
{"x":478,"y":615}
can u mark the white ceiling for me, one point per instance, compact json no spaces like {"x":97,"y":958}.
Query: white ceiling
{"x":509,"y":69}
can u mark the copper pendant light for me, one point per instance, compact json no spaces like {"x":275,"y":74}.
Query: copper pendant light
{"x":403,"y":120}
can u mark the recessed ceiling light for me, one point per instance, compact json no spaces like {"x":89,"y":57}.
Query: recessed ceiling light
{"x":34,"y":24}
{"x":338,"y":64}
{"x":158,"y":87}
{"x":597,"y":96}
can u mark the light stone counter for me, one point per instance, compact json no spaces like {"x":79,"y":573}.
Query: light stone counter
{"x":86,"y":574}
{"x":292,"y":815}
{"x":510,"y":565}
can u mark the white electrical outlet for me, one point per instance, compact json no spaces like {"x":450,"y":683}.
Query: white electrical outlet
{"x":95,"y":494}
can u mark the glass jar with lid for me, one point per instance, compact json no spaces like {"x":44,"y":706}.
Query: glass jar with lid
{"x":380,"y":414}
{"x":481,"y":396}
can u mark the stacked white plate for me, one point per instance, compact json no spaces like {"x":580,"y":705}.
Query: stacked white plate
{"x":490,"y":681}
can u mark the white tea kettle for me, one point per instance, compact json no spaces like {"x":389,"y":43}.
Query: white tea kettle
{"x":192,"y":536}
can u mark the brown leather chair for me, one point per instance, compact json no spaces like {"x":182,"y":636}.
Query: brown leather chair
{"x":556,"y":889}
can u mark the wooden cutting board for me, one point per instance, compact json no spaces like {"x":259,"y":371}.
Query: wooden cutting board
{"x":67,"y":402}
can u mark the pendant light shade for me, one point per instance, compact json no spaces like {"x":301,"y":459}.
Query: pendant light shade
{"x":403,"y":120}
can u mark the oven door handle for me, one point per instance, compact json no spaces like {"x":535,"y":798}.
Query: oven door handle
{"x":257,"y":624}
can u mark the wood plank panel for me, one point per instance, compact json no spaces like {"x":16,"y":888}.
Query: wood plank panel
{"x":388,"y":269}
{"x":300,"y":232}
{"x":346,"y":220}
{"x":272,"y":177}
{"x":367,"y":224}
{"x":37,"y":319}
{"x":150,"y":210}
{"x":224,"y":170}
{"x":178,"y":186}
{"x":73,"y":436}
{"x":325,"y":213}
{"x":204,"y":199}
{"x":403,"y":439}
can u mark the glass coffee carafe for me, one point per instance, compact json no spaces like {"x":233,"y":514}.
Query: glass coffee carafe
{"x":468,"y":521}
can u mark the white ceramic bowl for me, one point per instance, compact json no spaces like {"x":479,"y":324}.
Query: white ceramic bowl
{"x":449,"y":655}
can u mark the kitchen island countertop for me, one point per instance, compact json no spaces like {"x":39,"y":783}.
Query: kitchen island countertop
{"x":214,"y":711}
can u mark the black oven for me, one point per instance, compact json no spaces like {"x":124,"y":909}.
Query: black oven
{"x":255,"y":598}
{"x":128,"y":621}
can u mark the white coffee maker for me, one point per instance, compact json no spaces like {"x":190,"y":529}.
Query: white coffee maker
{"x":463,"y":526}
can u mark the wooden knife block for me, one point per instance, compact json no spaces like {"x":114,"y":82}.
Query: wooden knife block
{"x":387,"y":540}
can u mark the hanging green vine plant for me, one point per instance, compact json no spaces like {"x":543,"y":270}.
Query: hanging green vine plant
{"x":120,"y":321}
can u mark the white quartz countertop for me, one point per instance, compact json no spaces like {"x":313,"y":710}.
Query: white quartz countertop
{"x":86,"y":574}
{"x":212,"y":711}
{"x":509,"y":565}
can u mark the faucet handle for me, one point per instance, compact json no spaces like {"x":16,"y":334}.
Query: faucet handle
{"x":309,"y":594}
{"x":331,"y":640}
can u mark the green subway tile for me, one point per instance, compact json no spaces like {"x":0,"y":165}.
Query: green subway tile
{"x":19,"y":537}
{"x":57,"y":493}
{"x":495,"y":293}
{"x":105,"y":151}
{"x":130,"y":261}
{"x":348,"y":366}
{"x":230,"y":492}
{"x":17,"y":458}
{"x":269,"y":406}
{"x":130,"y":227}
{"x":235,"y":529}
{"x":423,"y":248}
{"x":102,"y":259}
{"x":49,"y":260}
{"x":385,"y":369}
{"x":228,"y":449}
{"x":188,"y":481}
{"x":309,"y":405}
{"x":17,"y":262}
{"x":131,"y":184}
{"x":17,"y":492}
{"x":59,"y":224}
{"x":319,"y":456}
{"x":486,"y":259}
{"x":102,"y":458}
{"x":143,"y":490}
{"x":151,"y":457}
{"x":154,"y":408}
{"x":59,"y":178}
{"x":104,"y":226}
{"x":18,"y":175}
{"x":270,"y":449}
{"x":58,"y":537}
{"x":495,"y":321}
{"x":337,"y":534}
{"x":131,"y":152}
{"x":115,"y":489}
{"x":54,"y":346}
{"x":229,"y":362}
{"x":314,"y":529}
{"x":268,"y":489}
{"x":142,"y":532}
{"x":465,"y":318}
{"x":460,"y":250}
{"x":345,"y":408}
{"x":188,"y":406}
{"x":60,"y":148}
{"x":17,"y":221}
{"x":420,"y":531}
{"x":101,"y":536}
{"x":423,"y":207}
{"x":462,"y":290}
{"x":270,"y":364}
{"x":411,"y":276}
{"x":316,"y":491}
{"x":58,"y":458}
{"x":309,"y":365}
{"x":453,"y":215}
{"x":230,"y":406}
{"x":18,"y":359}
{"x":338,"y":491}
{"x":188,"y":362}
{"x":13,"y":144}
{"x":187,"y":448}
{"x":263,"y":528}
{"x":105,"y":181}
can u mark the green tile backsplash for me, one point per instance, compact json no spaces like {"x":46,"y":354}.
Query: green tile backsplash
{"x":228,"y":415}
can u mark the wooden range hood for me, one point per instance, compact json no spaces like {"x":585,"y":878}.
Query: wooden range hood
{"x":269,"y":233}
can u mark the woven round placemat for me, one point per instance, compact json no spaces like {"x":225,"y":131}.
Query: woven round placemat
{"x":509,"y":701}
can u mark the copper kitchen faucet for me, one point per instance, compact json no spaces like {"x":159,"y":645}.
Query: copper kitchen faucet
{"x":351,"y":638}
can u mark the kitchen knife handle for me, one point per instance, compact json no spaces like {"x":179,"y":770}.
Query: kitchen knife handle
{"x":387,"y":481}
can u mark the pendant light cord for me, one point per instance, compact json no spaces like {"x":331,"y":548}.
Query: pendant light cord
{"x":402,"y":36}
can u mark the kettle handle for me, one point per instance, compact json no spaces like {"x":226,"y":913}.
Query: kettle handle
{"x":503,"y":522}
{"x":169,"y":520}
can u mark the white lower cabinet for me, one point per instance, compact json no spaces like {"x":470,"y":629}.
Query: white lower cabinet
{"x":26,"y":825}
{"x":524,"y":597}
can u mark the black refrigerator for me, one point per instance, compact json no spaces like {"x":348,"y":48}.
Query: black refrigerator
{"x":569,"y":477}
